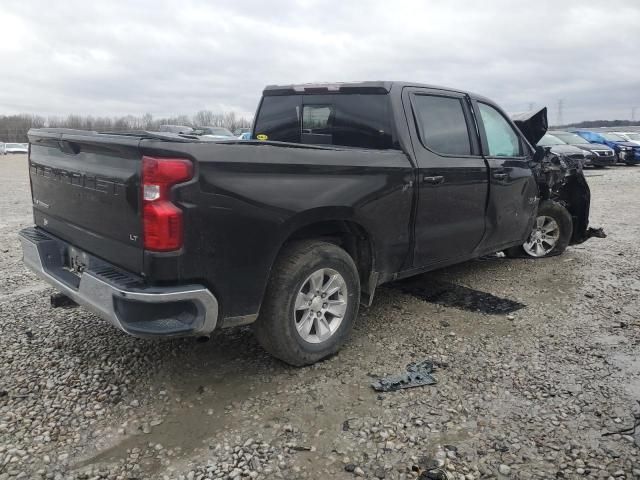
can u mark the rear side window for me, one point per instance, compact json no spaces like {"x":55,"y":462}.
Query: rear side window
{"x":442,"y":125}
{"x":279,"y":119}
{"x":501,"y":138}
{"x":350,"y":120}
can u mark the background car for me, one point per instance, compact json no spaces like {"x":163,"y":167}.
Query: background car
{"x":601,"y":155}
{"x":241,"y":131}
{"x":561,"y":149}
{"x":627,"y":152}
{"x":175,"y":129}
{"x":214,"y":132}
{"x":633,"y":137}
{"x":16,"y":148}
{"x":245,"y":135}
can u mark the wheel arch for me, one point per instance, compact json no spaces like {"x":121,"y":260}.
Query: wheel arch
{"x":338,"y":226}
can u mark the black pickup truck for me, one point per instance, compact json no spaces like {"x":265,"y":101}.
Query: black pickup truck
{"x":345,"y":187}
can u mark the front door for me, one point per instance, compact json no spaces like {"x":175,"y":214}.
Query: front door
{"x":513,"y":198}
{"x":452,"y":176}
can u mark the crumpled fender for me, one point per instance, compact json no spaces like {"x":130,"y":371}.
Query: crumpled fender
{"x":560,"y":178}
{"x":575,"y":195}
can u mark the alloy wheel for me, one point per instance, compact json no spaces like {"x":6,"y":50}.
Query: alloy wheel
{"x":543,"y":238}
{"x":320,"y":305}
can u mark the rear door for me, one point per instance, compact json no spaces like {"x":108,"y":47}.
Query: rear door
{"x":85,"y":190}
{"x":451,"y":178}
{"x":513,"y":191}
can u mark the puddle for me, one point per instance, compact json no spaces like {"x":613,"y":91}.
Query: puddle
{"x":452,"y":295}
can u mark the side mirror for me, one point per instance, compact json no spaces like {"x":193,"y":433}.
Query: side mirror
{"x":540,"y":153}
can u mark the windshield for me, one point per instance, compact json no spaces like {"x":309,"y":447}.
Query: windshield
{"x":570,"y":138}
{"x":612,"y":137}
{"x":633,"y":136}
{"x":15,"y":145}
{"x":549,"y":140}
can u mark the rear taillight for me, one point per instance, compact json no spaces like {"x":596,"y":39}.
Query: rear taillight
{"x":162,"y":220}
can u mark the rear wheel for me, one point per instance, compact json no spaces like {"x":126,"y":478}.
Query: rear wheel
{"x":310,"y":304}
{"x":551,"y":233}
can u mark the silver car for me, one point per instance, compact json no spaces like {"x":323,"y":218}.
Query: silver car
{"x":16,"y":148}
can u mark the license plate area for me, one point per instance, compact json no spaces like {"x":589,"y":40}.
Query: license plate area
{"x":75,"y":261}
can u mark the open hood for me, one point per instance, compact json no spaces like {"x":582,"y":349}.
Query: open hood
{"x":532,"y":124}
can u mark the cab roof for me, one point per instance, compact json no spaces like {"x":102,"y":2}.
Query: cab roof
{"x":380,"y":87}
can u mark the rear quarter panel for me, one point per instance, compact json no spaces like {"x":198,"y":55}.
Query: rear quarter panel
{"x":248,"y":199}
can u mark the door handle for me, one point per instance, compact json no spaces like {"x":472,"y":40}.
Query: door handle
{"x":433,"y":180}
{"x":500,"y":176}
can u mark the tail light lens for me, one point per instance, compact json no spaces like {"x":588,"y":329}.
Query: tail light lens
{"x":162,"y":220}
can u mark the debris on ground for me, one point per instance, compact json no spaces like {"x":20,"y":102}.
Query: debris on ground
{"x":417,"y":375}
{"x":301,"y":448}
{"x":596,"y":232}
{"x":437,"y":474}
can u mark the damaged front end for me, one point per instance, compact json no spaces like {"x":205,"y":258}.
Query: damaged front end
{"x":560,"y":178}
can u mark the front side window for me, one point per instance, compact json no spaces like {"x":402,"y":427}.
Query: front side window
{"x":501,"y":137}
{"x":442,"y":125}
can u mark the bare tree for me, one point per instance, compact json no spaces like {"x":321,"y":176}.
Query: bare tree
{"x":203,"y":118}
{"x":14,"y":128}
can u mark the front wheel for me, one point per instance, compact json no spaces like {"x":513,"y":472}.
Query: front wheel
{"x":551,"y":233}
{"x":310,"y":304}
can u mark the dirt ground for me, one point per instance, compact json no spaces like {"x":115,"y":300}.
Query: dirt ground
{"x":539,"y":392}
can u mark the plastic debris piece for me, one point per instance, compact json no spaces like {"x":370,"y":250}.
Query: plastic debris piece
{"x":417,"y":375}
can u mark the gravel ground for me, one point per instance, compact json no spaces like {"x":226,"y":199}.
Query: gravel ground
{"x":524,"y":395}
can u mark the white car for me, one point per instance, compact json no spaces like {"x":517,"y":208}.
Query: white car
{"x":633,"y":137}
{"x":16,"y":148}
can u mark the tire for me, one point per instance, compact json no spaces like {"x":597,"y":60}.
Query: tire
{"x":295,"y":335}
{"x":548,"y":213}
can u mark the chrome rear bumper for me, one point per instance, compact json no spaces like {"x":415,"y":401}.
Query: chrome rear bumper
{"x":121,"y":298}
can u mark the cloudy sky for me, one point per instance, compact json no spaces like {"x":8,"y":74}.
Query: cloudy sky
{"x":174,"y":57}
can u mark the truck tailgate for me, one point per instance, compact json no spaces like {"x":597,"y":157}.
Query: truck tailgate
{"x":85,"y":190}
